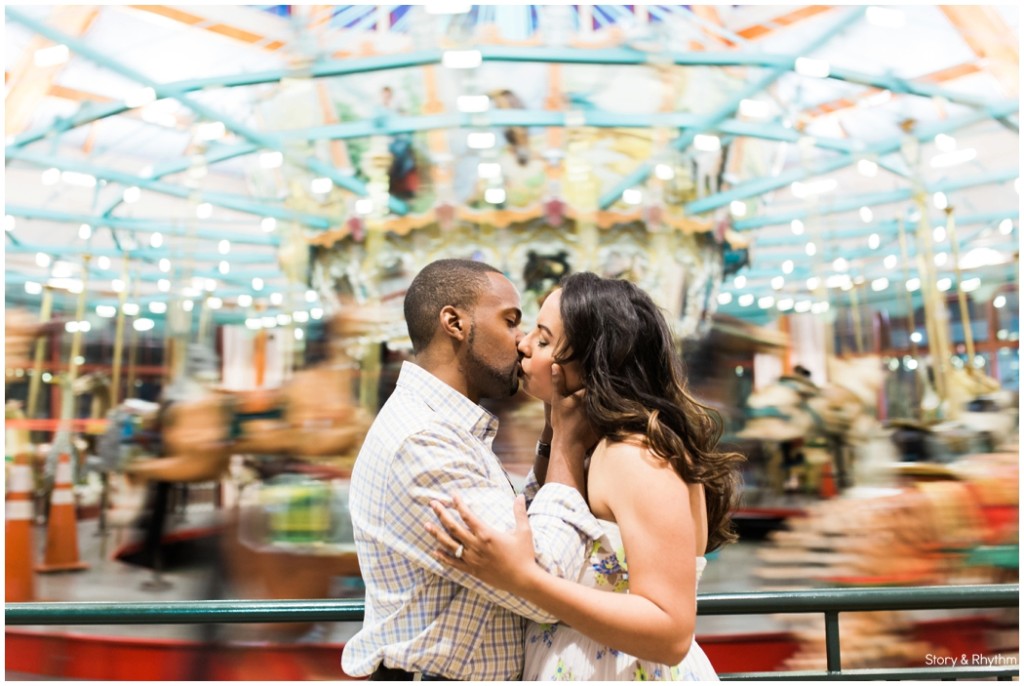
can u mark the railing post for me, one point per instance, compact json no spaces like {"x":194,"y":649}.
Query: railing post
{"x":832,"y":655}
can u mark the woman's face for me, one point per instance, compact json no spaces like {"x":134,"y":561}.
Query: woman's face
{"x":538,"y":349}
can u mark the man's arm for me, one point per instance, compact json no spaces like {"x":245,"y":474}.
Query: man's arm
{"x":432,"y":465}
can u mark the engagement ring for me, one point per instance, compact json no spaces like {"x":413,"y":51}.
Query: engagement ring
{"x":458,"y":552}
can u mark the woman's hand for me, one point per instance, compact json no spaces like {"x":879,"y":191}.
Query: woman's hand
{"x":502,"y":560}
{"x":572,"y":428}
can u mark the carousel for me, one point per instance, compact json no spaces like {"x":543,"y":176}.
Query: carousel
{"x":212,"y":215}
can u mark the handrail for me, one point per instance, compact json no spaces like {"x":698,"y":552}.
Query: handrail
{"x":829,"y":601}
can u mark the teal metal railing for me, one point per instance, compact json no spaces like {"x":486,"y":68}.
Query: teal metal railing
{"x":830,"y":602}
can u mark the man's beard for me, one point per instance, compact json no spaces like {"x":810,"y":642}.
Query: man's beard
{"x":492,"y":381}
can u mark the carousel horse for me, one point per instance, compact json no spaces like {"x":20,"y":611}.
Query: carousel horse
{"x":818,"y":428}
{"x":96,"y":384}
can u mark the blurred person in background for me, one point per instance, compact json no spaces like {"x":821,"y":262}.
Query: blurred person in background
{"x":424,"y":619}
{"x":656,"y":481}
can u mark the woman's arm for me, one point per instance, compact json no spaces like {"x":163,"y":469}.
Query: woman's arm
{"x":656,"y":619}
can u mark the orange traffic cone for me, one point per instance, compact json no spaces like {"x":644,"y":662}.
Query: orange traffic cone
{"x":62,"y":526}
{"x":19,"y":581}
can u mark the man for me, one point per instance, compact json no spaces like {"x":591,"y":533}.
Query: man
{"x":432,"y":439}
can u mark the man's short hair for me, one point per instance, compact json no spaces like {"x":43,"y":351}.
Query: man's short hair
{"x":458,"y":283}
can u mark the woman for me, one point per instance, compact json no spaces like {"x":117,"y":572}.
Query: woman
{"x":655,"y":480}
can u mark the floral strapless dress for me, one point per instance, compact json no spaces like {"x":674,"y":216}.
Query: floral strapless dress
{"x":555,"y":652}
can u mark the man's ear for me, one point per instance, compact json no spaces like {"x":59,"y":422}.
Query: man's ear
{"x":453,"y":323}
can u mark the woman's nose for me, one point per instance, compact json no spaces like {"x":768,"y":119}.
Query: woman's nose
{"x":523,"y":347}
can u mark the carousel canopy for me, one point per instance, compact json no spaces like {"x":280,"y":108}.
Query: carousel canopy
{"x":189,"y":151}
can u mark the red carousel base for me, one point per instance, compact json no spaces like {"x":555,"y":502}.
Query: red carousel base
{"x":32,"y":654}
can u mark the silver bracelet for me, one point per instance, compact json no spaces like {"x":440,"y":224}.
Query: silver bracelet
{"x":543,"y":449}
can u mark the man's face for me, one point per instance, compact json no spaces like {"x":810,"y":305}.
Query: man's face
{"x":492,"y":355}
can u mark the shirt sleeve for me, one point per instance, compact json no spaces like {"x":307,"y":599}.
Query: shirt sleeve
{"x":531,"y":487}
{"x":433,"y":465}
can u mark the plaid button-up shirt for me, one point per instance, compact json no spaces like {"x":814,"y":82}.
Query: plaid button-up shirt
{"x":428,"y":442}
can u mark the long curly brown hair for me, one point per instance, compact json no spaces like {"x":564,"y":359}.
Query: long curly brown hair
{"x":635,"y":386}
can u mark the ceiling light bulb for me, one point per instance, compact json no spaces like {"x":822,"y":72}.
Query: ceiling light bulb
{"x":224,"y":247}
{"x":461,"y":59}
{"x":495,"y":196}
{"x":787,"y":267}
{"x":746,"y":300}
{"x":953,"y":158}
{"x":874,"y":240}
{"x":866,"y":215}
{"x":707,"y":142}
{"x":271,"y":159}
{"x":321,"y":185}
{"x":210,"y":130}
{"x":131,"y":194}
{"x":488,"y":170}
{"x":480,"y":140}
{"x":738,"y":208}
{"x":945,"y":143}
{"x":268,"y":224}
{"x":632,"y":196}
{"x":51,"y":56}
{"x":84,"y":232}
{"x":665,"y":172}
{"x":867,"y":167}
{"x":797,"y":226}
{"x":473,"y":104}
{"x":140,"y":98}
{"x":244,"y":300}
{"x":257,"y":283}
{"x":808,"y":66}
{"x":164,"y":265}
{"x":156,"y":240}
{"x":885,"y":17}
{"x":50,"y":177}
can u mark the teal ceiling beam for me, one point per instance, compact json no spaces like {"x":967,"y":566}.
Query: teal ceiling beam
{"x":240,"y":203}
{"x":218,"y":154}
{"x":710,"y":121}
{"x":149,"y":254}
{"x":132,"y":224}
{"x":390,"y":126}
{"x":882,"y":228}
{"x":83,"y":49}
{"x":874,"y":199}
{"x":892,"y":144}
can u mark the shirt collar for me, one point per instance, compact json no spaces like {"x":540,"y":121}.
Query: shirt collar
{"x":445,"y":400}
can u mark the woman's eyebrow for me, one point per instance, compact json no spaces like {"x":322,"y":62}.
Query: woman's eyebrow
{"x":545,"y":330}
